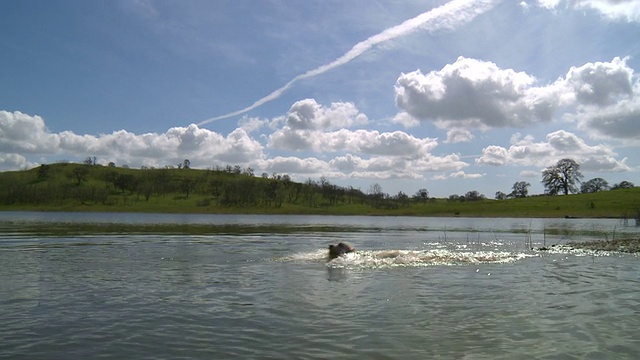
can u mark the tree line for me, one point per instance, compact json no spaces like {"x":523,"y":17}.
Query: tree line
{"x":563,"y":178}
{"x":230,"y":186}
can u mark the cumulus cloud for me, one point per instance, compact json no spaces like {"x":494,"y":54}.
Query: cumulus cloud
{"x":304,"y":128}
{"x":602,"y":97}
{"x":387,"y":167}
{"x":252,"y":124}
{"x":601,"y":83}
{"x":353,"y":166}
{"x":472,"y":93}
{"x":15,"y":161}
{"x":295,"y":165}
{"x":405,"y":120}
{"x":307,"y":114}
{"x":25,"y":134}
{"x":458,"y":135}
{"x":558,"y":145}
{"x":619,"y":121}
{"x":363,"y":153}
{"x":608,"y":99}
{"x":463,"y":175}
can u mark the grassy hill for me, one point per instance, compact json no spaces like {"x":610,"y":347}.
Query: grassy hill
{"x":82,"y":187}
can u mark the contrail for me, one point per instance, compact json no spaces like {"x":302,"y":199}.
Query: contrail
{"x":448,"y":16}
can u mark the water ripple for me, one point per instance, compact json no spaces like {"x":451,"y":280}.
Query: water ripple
{"x":275,"y":296}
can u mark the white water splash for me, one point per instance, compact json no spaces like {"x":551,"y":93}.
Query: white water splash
{"x":408,"y":258}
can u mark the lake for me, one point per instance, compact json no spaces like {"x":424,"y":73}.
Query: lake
{"x":96,"y":285}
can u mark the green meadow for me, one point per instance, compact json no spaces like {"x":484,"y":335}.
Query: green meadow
{"x":83,"y":187}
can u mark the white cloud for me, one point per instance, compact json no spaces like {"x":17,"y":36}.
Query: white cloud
{"x":294,"y":165}
{"x":436,"y":163}
{"x":463,"y":175}
{"x":395,"y":143}
{"x":548,"y":4}
{"x":439,"y":177}
{"x":494,"y":155}
{"x":306,"y":121}
{"x":617,"y":10}
{"x":252,"y":124}
{"x":458,"y":135}
{"x":619,"y":121}
{"x":608,"y":98}
{"x":628,"y":10}
{"x":15,"y":161}
{"x":601,"y":83}
{"x":602,"y":97}
{"x":405,"y":119}
{"x":307,"y":114}
{"x":25,"y":134}
{"x":472,"y":93}
{"x":353,"y":166}
{"x":560,"y":144}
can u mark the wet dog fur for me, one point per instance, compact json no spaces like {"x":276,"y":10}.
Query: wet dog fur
{"x":340,"y":250}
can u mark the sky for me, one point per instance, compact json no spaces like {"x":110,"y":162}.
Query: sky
{"x":449,"y":96}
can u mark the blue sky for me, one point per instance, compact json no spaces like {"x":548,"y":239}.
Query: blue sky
{"x":450,"y":96}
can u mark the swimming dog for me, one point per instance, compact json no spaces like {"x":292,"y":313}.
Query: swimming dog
{"x":340,"y":250}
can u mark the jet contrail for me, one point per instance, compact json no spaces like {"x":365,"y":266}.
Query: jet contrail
{"x":448,"y":16}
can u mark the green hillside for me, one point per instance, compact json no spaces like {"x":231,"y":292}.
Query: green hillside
{"x":82,"y":187}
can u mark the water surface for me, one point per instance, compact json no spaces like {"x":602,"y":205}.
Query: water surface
{"x":417,"y":288}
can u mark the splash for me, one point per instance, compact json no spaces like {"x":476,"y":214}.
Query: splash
{"x":448,"y":16}
{"x":409,"y":258}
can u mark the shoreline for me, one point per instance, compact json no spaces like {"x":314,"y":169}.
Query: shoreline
{"x":236,"y":211}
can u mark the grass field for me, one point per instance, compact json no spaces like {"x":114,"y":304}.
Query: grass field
{"x":164,"y":191}
{"x":623,"y":204}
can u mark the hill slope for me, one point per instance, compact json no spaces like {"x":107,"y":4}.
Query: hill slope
{"x":81,"y":187}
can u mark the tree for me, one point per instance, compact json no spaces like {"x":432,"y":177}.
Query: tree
{"x":474,"y":195}
{"x":89,"y":160}
{"x":79,"y":173}
{"x":422,"y":195}
{"x":561,"y":177}
{"x":43,"y":172}
{"x":500,"y":195}
{"x":125,"y":182}
{"x":622,"y":185}
{"x":594,"y":185}
{"x":520,"y":189}
{"x":186,"y":164}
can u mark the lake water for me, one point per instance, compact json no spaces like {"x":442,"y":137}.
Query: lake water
{"x":261,"y":287}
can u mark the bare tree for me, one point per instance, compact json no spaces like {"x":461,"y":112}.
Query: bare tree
{"x":520,"y":189}
{"x":562,"y":177}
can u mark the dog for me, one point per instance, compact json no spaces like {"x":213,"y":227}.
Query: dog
{"x":340,"y":250}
